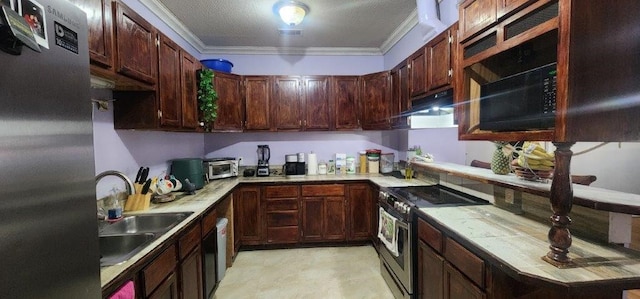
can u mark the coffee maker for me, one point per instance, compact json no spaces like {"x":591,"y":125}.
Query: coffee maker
{"x":294,"y":164}
{"x":264,"y":154}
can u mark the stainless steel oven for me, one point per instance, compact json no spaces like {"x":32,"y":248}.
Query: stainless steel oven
{"x":395,"y":264}
{"x":397,"y":204}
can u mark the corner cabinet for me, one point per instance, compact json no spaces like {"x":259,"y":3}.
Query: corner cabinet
{"x":248,"y":211}
{"x":230,"y":103}
{"x":375,"y":95}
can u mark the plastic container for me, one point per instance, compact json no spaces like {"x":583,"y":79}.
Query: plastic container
{"x":373,"y":160}
{"x":221,"y":65}
{"x":362,"y":157}
{"x":386,"y":162}
{"x":331,"y":167}
{"x":322,"y":167}
{"x":221,"y":226}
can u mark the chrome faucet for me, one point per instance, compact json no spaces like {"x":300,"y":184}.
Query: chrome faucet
{"x":129,"y":184}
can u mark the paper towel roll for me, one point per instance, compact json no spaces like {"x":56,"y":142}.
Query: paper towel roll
{"x":312,"y":164}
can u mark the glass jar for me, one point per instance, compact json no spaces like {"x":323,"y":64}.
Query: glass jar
{"x":362,"y":157}
{"x":322,"y":167}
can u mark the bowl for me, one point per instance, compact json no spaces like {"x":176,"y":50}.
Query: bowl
{"x":221,"y":65}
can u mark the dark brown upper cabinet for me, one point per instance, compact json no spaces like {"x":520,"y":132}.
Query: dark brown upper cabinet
{"x":287,"y":105}
{"x":136,"y":45}
{"x":100,"y":22}
{"x":189,"y":67}
{"x":230,"y":105}
{"x":257,"y":103}
{"x":376,"y":101}
{"x":345,"y":99}
{"x":169,"y":89}
{"x":400,"y":100}
{"x":317,"y":109}
{"x":440,"y":59}
{"x":418,"y":72}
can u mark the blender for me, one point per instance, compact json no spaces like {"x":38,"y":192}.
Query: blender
{"x":264,"y":154}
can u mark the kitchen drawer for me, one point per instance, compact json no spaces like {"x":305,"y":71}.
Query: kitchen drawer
{"x":467,"y":262}
{"x":284,"y":218}
{"x":430,"y":235}
{"x":323,"y":190}
{"x":209,"y":222}
{"x":281,"y":191}
{"x":282,"y":204}
{"x":156,"y":272}
{"x":287,"y":234}
{"x":189,"y":240}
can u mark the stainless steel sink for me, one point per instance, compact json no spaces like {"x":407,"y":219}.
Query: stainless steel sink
{"x":121,"y":240}
{"x":145,"y":223}
{"x":116,"y":249}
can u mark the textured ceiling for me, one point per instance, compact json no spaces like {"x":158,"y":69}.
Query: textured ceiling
{"x":252,"y":24}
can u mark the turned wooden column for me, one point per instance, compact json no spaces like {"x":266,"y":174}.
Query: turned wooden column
{"x":561,"y":201}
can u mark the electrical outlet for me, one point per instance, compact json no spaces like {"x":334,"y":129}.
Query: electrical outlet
{"x":509,"y":196}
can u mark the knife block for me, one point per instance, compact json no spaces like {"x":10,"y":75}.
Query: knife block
{"x":137,"y":202}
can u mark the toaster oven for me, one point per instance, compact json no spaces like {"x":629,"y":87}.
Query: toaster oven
{"x":219,"y":168}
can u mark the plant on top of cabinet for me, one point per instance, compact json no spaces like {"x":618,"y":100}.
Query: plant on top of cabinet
{"x":207,"y":97}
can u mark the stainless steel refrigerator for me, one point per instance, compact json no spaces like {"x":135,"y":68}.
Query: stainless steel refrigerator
{"x":48,"y":227}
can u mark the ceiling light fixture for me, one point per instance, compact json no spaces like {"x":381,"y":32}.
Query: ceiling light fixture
{"x":291,"y":12}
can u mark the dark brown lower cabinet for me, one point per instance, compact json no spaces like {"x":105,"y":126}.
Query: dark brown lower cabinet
{"x":359,"y":212}
{"x":430,"y":273}
{"x":168,"y":289}
{"x":323,"y":219}
{"x":457,"y":286}
{"x":249,"y":215}
{"x":281,"y":214}
{"x":191,"y":275}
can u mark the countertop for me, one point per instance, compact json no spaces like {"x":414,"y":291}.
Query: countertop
{"x":217,"y":189}
{"x":517,"y":245}
{"x":586,"y":196}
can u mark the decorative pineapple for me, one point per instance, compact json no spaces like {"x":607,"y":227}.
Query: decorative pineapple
{"x":500,"y":160}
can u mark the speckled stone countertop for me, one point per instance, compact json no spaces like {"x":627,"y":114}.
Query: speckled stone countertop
{"x":517,"y":244}
{"x":586,"y":196}
{"x":217,"y":189}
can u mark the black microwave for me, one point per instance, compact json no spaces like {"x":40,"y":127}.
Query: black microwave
{"x":520,"y":102}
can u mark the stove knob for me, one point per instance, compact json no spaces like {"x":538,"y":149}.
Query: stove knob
{"x":396,"y":205}
{"x":383,"y":195}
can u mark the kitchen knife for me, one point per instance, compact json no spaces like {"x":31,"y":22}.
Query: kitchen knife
{"x":138,"y":175}
{"x":144,"y":175}
{"x":145,"y":188}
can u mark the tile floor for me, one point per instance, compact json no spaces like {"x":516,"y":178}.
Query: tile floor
{"x":326,"y":272}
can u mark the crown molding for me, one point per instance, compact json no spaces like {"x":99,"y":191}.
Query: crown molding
{"x":162,"y":12}
{"x":318,"y":51}
{"x":400,"y":32}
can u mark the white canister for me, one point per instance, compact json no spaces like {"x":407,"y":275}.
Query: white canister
{"x":351,"y":165}
{"x":312,"y":164}
{"x":322,"y":167}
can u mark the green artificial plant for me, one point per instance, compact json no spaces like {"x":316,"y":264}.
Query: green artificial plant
{"x":207,"y":97}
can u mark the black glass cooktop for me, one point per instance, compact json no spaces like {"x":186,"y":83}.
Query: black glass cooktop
{"x":436,"y":195}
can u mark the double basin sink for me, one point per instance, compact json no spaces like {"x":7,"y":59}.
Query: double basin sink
{"x":121,"y":240}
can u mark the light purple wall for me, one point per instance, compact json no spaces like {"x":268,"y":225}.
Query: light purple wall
{"x":126,"y":151}
{"x":324,"y":144}
{"x":442,"y":143}
{"x":302,"y":65}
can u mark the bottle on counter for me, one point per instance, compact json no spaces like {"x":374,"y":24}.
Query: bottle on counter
{"x":331,"y":167}
{"x":114,"y":209}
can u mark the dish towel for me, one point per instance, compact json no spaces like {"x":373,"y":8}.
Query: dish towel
{"x":127,"y":291}
{"x":388,"y":232}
